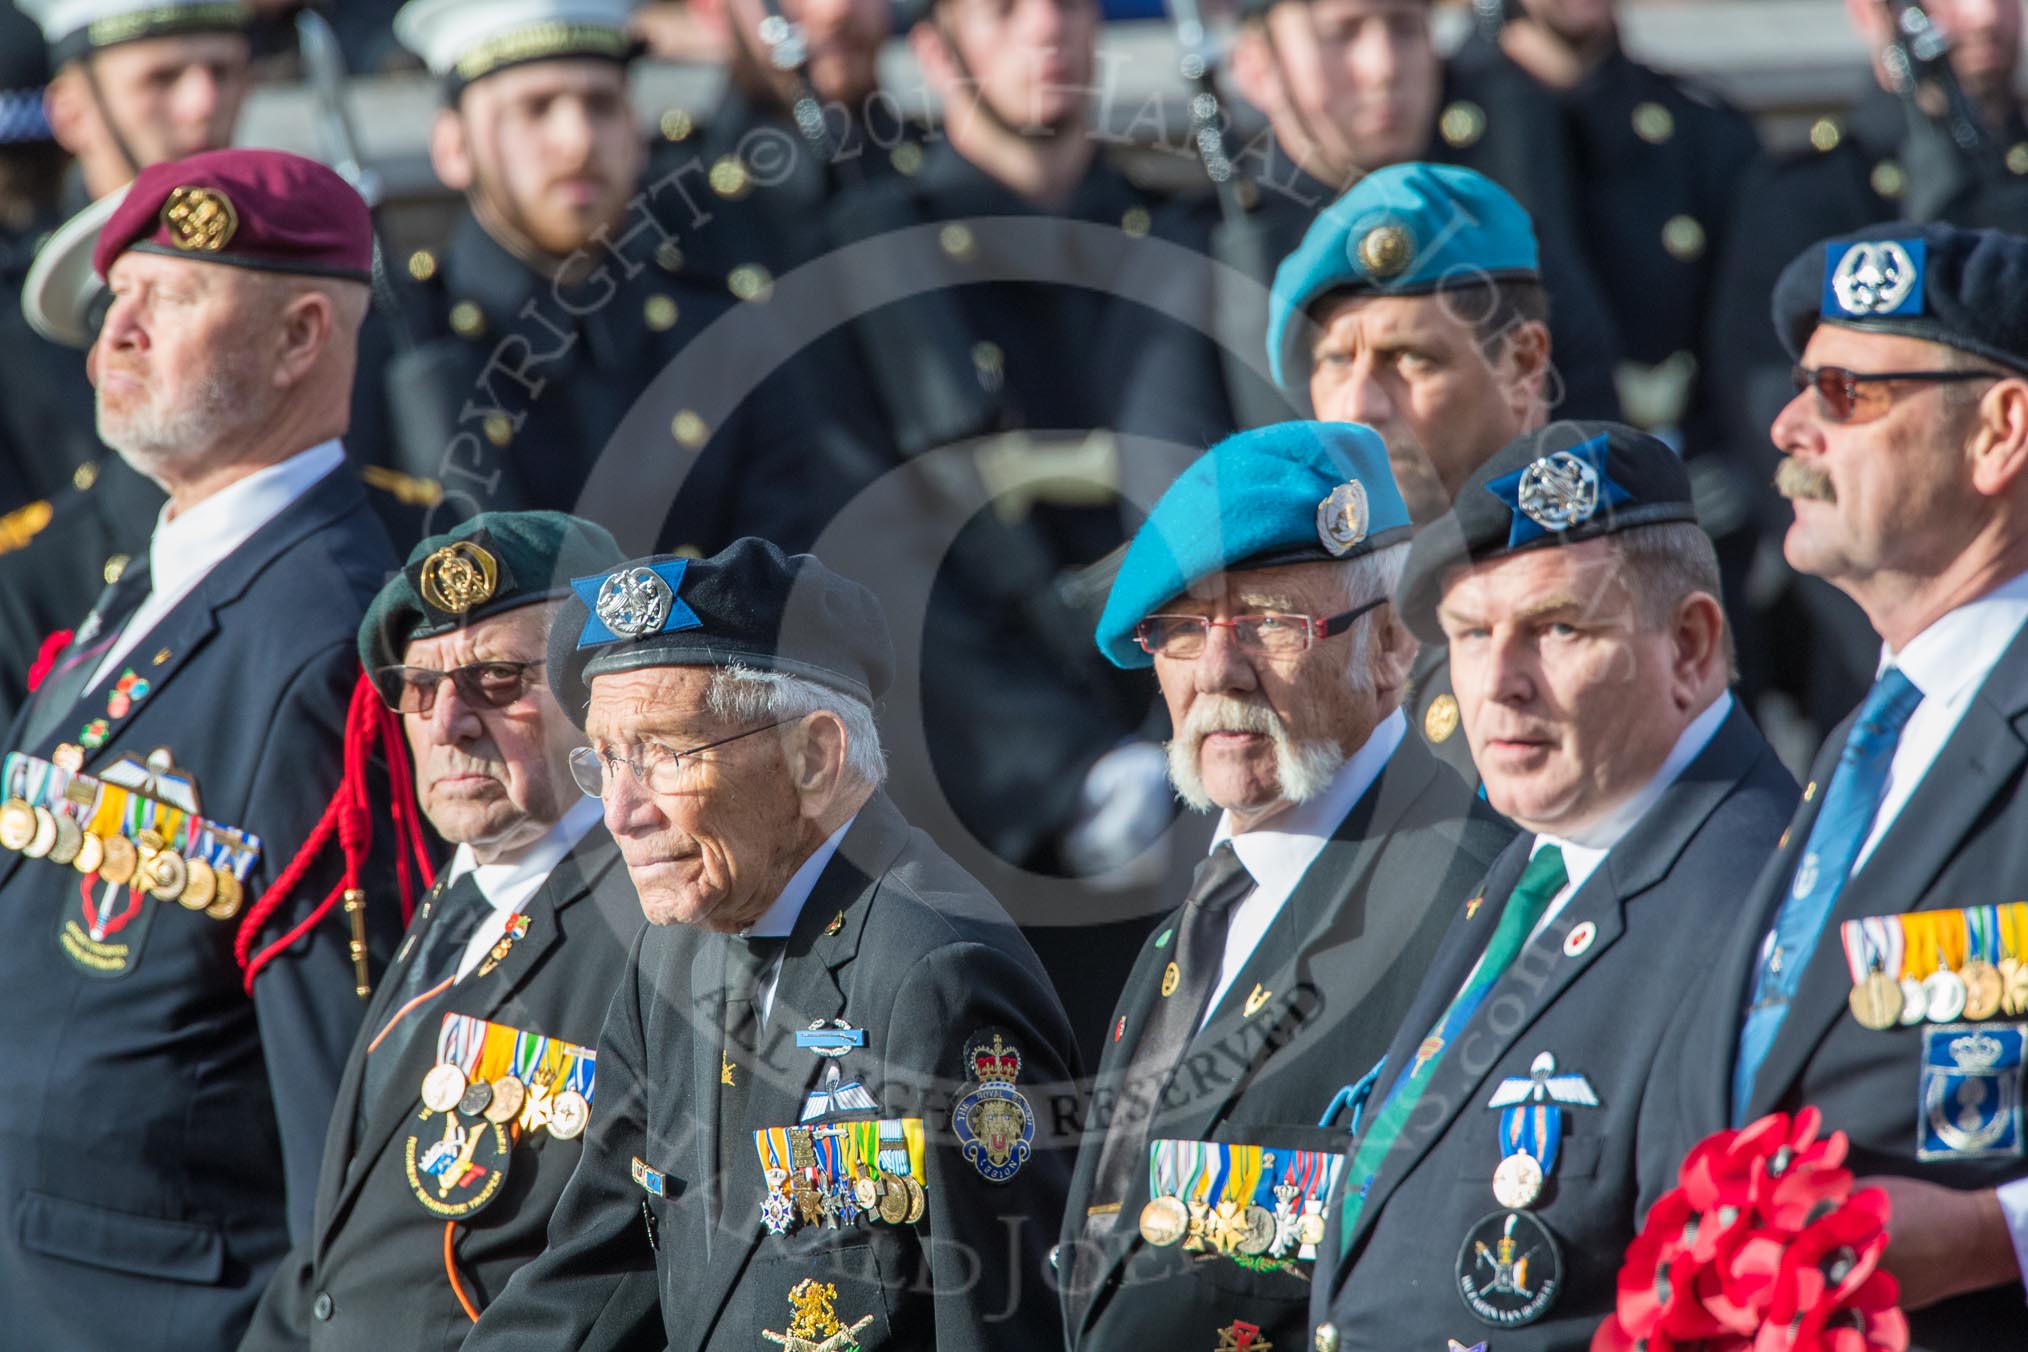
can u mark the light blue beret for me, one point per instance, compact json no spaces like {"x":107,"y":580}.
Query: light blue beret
{"x":1406,"y":230}
{"x":1295,"y":492}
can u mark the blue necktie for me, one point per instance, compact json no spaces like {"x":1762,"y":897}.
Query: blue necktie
{"x":1850,"y":804}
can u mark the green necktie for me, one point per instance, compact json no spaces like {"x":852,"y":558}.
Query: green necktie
{"x":1542,"y":879}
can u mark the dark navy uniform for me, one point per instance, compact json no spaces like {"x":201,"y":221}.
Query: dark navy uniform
{"x":167,"y":1126}
{"x":374,"y":1274}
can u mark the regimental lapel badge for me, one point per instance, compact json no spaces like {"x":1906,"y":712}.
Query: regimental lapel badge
{"x":1240,"y":1336}
{"x":837,"y":923}
{"x":516,"y":931}
{"x":814,"y":1325}
{"x":1259,"y":997}
{"x":1509,"y":1269}
{"x":128,"y":691}
{"x":725,"y":1068}
{"x":1472,"y":906}
{"x":994,"y":1124}
{"x":832,"y":1039}
{"x":1456,"y":1346}
{"x":652,"y":1181}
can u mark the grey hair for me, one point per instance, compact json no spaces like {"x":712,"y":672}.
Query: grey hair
{"x":1663,"y":564}
{"x":745,"y":694}
{"x":1368,"y":576}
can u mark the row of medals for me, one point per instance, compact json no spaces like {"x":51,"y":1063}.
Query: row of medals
{"x":1977,"y":990}
{"x":502,"y":1100}
{"x":1230,"y":1227}
{"x":897,"y":1199}
{"x":146,"y":861}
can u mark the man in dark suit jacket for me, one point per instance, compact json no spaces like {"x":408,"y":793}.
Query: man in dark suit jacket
{"x":526,"y":933}
{"x":1910,"y":823}
{"x":174,"y":1064}
{"x":816,"y":1084}
{"x":1253,"y":590}
{"x":1580,"y":601}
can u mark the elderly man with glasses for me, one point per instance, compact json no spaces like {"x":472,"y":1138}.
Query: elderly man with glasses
{"x":1882,"y":972}
{"x":1258,"y":591}
{"x":462,"y":1107}
{"x":826,"y":1110}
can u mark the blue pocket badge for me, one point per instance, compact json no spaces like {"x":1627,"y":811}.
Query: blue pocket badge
{"x":1971,"y":1092}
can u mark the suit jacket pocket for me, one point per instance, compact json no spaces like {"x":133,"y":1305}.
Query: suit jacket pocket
{"x":829,"y":1281}
{"x":149,"y":1246}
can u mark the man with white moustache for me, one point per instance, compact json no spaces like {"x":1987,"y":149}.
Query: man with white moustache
{"x":1258,"y":590}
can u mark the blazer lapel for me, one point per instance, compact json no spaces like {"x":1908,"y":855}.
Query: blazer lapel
{"x":1984,"y":754}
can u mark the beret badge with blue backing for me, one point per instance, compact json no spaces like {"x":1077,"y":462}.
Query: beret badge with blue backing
{"x":1874,"y":277}
{"x":1558,"y":491}
{"x":634,"y":601}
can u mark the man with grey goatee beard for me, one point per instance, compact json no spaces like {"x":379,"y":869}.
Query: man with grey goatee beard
{"x":1258,"y":590}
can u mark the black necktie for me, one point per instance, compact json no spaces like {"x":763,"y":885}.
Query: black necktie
{"x":746,"y":962}
{"x":453,"y":916}
{"x":55,"y":700}
{"x":1187,"y":981}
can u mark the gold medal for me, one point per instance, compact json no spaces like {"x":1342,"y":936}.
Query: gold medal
{"x":1983,"y":989}
{"x":168,"y":875}
{"x":443,"y":1087}
{"x":200,"y":884}
{"x":568,"y":1114}
{"x":2014,"y":980}
{"x":44,"y":839}
{"x":230,"y":896}
{"x":121,"y":860}
{"x":91,"y":853}
{"x":866,"y":1192}
{"x":69,"y":838}
{"x":918,"y":1200}
{"x":1164,"y":1221}
{"x":17,"y":823}
{"x":1876,"y":1001}
{"x":509,"y":1096}
{"x":894,"y":1202}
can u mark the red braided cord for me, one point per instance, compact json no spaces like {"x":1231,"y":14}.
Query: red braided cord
{"x":45,"y":657}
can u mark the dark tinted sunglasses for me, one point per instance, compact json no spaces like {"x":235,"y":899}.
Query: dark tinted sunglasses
{"x":489,"y":685}
{"x":1845,"y":396}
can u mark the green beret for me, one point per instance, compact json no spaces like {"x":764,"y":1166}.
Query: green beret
{"x":493,"y":562}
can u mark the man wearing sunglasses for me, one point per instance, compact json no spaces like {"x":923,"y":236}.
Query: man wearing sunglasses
{"x":1904,"y":449}
{"x":1257,"y":590}
{"x":523,"y":939}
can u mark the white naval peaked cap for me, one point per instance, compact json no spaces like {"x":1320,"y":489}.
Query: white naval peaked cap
{"x":74,"y":27}
{"x":462,"y":40}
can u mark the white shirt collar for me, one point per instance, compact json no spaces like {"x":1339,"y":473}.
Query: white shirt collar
{"x":1583,"y":853}
{"x":1279,"y":852}
{"x":508,"y":886}
{"x":779,"y":920}
{"x":1960,"y":648}
{"x":193,"y":542}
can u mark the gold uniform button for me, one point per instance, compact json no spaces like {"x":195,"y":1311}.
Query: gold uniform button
{"x":677,"y":125}
{"x":422,"y":265}
{"x":660,"y":313}
{"x":1462,"y":124}
{"x":1653,"y":123}
{"x":2017,"y":158}
{"x":669,"y":256}
{"x":1683,"y":237}
{"x":728,"y":178}
{"x":751,"y":281}
{"x":956,"y":240}
{"x":689,"y":429}
{"x":498,"y":429}
{"x":906,"y":158}
{"x":1326,"y":1339}
{"x":1825,"y":133}
{"x":467,"y":321}
{"x":1137,"y":222}
{"x":1440,"y":720}
{"x":115,"y":566}
{"x":1888,"y":179}
{"x":84,"y":476}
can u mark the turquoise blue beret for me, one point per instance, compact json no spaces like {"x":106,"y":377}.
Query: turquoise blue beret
{"x":1966,"y":289}
{"x":748,"y":605}
{"x":1406,"y":230}
{"x":1296,"y":492}
{"x":492,"y":562}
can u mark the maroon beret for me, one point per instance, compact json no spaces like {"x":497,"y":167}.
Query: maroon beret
{"x":264,"y":209}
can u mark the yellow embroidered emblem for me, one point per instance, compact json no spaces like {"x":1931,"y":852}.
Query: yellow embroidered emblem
{"x":814,"y":1325}
{"x":1257,"y":999}
{"x":199,"y":219}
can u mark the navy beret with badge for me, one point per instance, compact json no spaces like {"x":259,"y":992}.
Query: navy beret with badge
{"x":1410,"y":229}
{"x":1569,"y":482}
{"x":494,"y":562}
{"x":1295,"y":492}
{"x":749,"y":605}
{"x":1966,"y":289}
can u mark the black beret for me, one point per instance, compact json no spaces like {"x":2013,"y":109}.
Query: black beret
{"x":493,"y":562}
{"x":1569,"y":482}
{"x":1966,"y":289}
{"x":750,"y":605}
